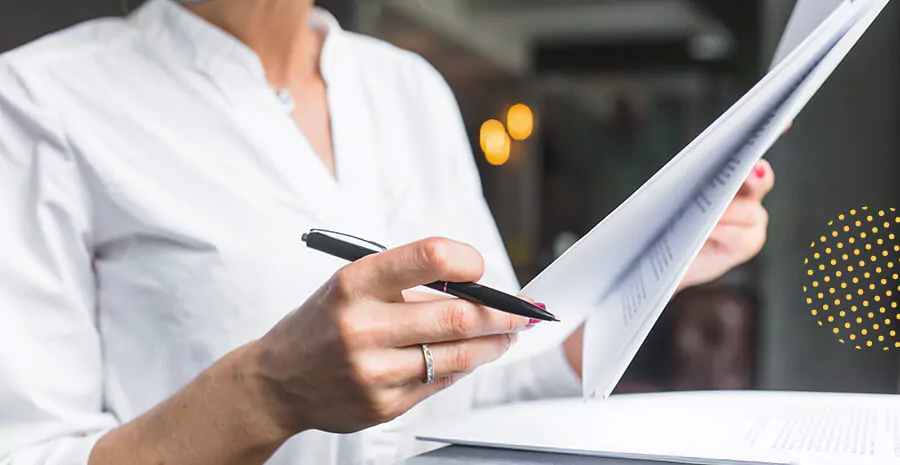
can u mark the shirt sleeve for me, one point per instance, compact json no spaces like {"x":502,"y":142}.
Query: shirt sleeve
{"x":547,"y":374}
{"x":51,"y":409}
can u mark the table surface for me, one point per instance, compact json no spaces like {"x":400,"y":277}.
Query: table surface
{"x":459,"y":455}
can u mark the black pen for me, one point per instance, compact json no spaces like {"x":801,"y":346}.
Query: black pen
{"x":335,"y":244}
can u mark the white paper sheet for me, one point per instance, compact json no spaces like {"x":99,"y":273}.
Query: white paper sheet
{"x":806,"y":16}
{"x":745,"y":427}
{"x":618,"y":278}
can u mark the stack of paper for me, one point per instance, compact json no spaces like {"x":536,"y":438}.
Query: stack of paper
{"x":618,"y":278}
{"x":698,"y":428}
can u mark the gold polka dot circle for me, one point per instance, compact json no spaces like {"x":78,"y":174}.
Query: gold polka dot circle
{"x":853,"y":278}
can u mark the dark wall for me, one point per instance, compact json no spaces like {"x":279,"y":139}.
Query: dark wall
{"x":24,"y":20}
{"x":842,"y":153}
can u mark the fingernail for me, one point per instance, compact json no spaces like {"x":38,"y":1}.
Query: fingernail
{"x":532,"y":322}
{"x":540,"y":305}
{"x":759,"y":171}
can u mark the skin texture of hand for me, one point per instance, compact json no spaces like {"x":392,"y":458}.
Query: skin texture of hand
{"x":348,"y":358}
{"x":360,"y":362}
{"x":738,"y":237}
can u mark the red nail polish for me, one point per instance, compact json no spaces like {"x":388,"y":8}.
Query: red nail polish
{"x":533,"y":322}
{"x":759,"y":171}
{"x":540,"y":305}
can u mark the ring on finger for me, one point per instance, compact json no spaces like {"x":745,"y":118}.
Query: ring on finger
{"x":429,"y":364}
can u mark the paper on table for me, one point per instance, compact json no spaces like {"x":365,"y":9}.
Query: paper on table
{"x":619,"y":277}
{"x":698,"y":427}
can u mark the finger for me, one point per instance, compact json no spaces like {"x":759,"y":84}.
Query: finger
{"x":450,"y":357}
{"x":743,"y":243}
{"x":760,"y":182}
{"x":443,"y":321}
{"x":744,"y":212}
{"x":385,"y":275}
{"x":419,"y":296}
{"x":415,"y":392}
{"x":439,"y":384}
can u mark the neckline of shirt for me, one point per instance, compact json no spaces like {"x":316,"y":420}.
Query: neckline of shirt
{"x":209,"y":49}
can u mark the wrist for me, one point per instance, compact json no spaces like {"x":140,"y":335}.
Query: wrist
{"x":221,"y":417}
{"x":255,"y":403}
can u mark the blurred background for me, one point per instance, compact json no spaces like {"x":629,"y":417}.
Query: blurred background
{"x":572,"y":104}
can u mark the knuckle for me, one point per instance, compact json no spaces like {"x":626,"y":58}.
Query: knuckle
{"x":434,"y":252}
{"x":457,"y":319}
{"x":463,"y":358}
{"x":348,"y":327}
{"x":356,"y":371}
{"x":383,"y":409}
{"x":444,"y":382}
{"x":371,"y":376}
{"x":341,"y":284}
{"x":352,"y":331}
{"x":513,"y":322}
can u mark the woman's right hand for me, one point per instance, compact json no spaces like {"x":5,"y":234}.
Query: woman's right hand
{"x":350,"y":357}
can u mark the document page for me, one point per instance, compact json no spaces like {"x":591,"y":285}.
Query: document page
{"x":745,"y":427}
{"x":807,"y":15}
{"x":618,"y":278}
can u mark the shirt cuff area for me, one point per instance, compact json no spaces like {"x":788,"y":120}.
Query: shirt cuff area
{"x":543,"y":376}
{"x":553,"y":376}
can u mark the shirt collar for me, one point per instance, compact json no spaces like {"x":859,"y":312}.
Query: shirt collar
{"x":214,"y":51}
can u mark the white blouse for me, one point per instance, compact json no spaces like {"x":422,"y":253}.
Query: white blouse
{"x":153,"y":191}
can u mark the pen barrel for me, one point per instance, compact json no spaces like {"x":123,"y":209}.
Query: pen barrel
{"x":492,"y":298}
{"x":335,"y":247}
{"x":471,"y":292}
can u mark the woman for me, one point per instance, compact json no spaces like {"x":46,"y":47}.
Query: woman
{"x":157,"y":174}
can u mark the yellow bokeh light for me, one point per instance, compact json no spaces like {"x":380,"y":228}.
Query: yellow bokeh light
{"x":495,"y":142}
{"x":520,"y":121}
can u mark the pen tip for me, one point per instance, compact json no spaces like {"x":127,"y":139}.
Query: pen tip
{"x":556,"y":319}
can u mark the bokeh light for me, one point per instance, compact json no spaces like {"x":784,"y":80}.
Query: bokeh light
{"x":495,"y":142}
{"x":520,"y":121}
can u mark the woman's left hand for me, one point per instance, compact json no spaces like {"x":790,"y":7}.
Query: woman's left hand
{"x":740,"y":234}
{"x":738,"y":237}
